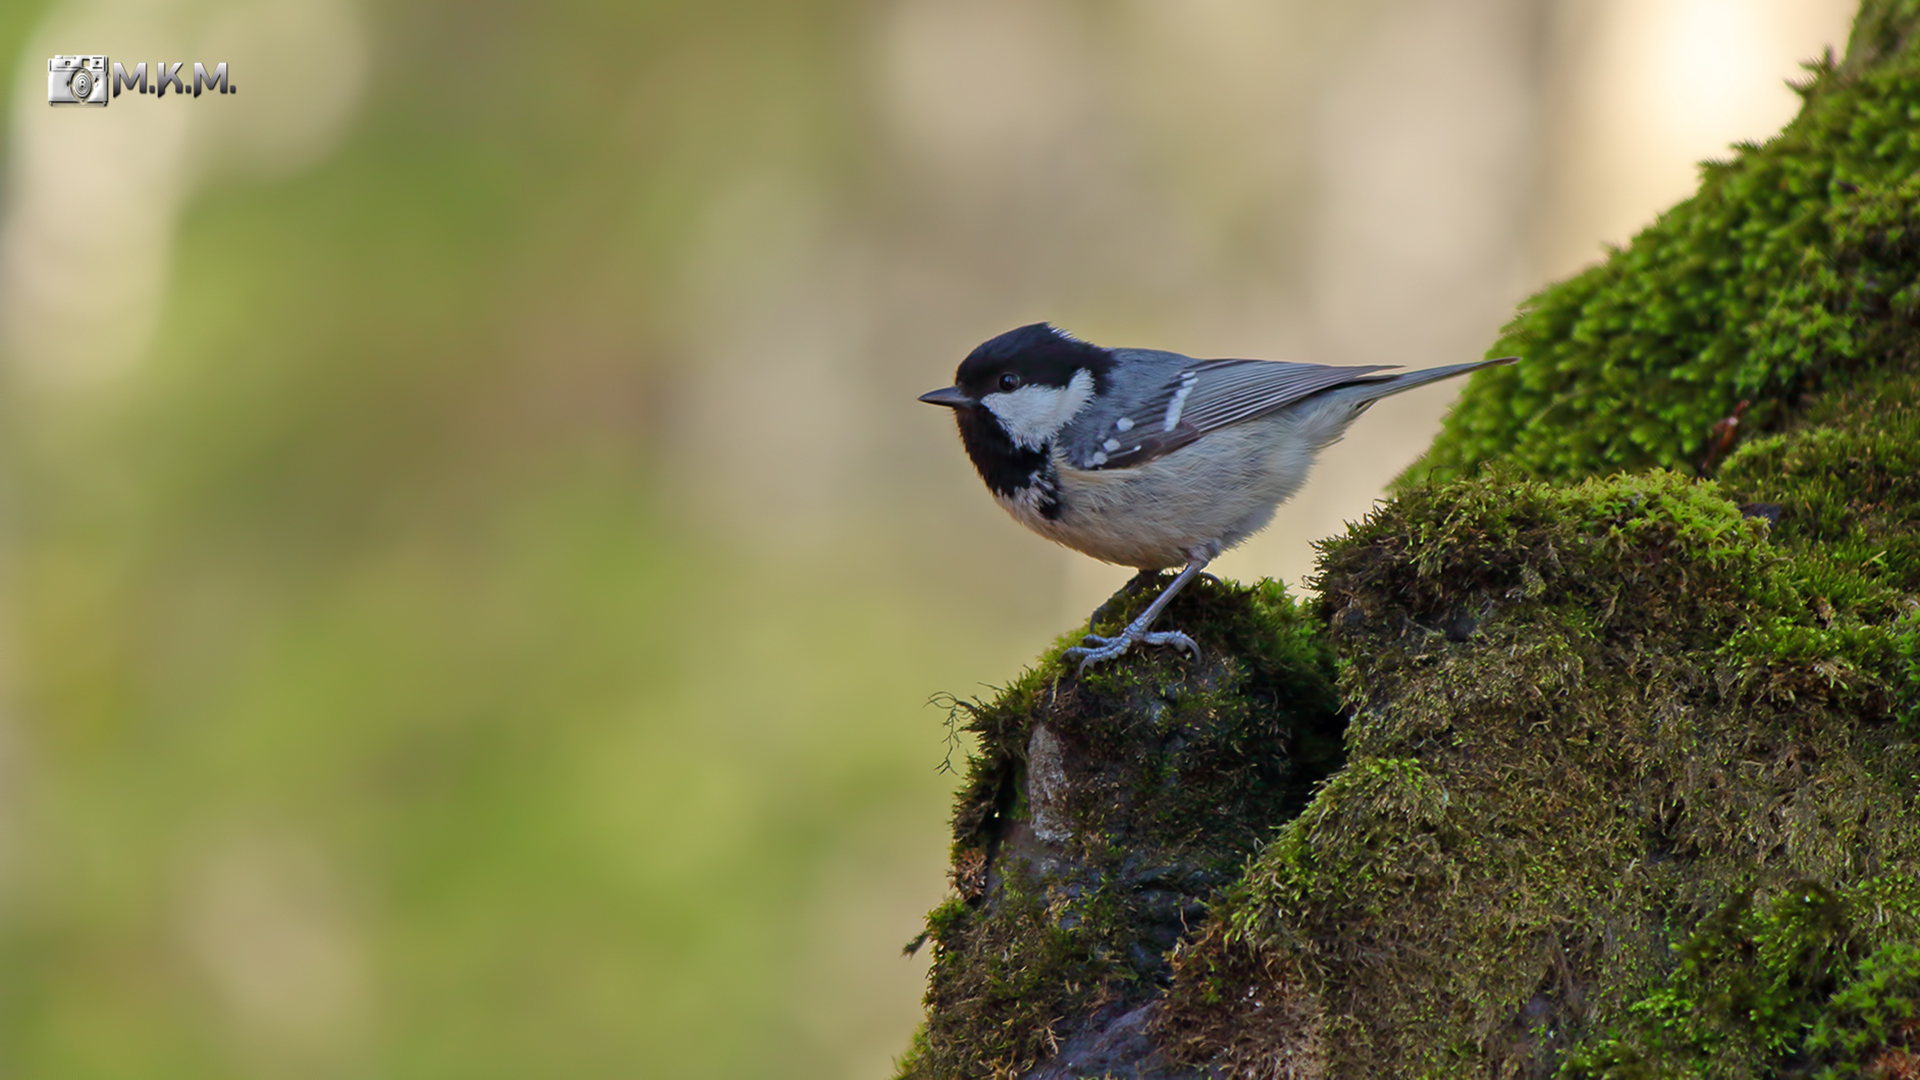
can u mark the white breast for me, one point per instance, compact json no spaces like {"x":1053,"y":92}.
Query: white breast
{"x":1215,"y":492}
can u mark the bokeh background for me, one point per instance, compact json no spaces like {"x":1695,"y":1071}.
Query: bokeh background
{"x":472,"y":572}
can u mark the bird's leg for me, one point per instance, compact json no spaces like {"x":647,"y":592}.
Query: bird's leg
{"x":1134,"y":585}
{"x":1097,"y":648}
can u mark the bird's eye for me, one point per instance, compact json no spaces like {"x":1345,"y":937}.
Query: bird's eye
{"x":1009,"y":381}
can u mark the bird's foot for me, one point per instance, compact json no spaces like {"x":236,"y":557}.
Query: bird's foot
{"x":1095,"y":648}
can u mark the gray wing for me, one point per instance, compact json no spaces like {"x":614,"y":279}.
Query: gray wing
{"x":1209,"y":395}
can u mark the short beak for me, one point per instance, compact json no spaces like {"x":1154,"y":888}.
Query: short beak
{"x":951,"y":396}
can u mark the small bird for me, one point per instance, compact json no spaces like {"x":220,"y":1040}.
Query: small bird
{"x":1150,"y":459}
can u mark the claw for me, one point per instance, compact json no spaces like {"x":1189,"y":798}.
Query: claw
{"x":1094,"y":648}
{"x":1175,"y":638}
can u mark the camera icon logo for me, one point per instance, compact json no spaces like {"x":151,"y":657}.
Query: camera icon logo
{"x":77,"y":80}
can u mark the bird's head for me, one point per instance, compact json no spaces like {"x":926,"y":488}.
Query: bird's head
{"x":1027,"y":383}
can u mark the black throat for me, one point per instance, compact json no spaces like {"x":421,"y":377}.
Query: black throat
{"x":1009,"y":469}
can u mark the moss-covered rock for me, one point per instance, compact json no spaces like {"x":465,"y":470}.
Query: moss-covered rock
{"x":1565,"y":756}
{"x":1099,"y":818}
{"x":1629,"y":676}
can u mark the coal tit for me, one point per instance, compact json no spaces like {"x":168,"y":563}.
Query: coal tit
{"x":1150,"y":459}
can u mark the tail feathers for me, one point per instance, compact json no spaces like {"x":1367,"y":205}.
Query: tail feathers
{"x":1374,"y":390}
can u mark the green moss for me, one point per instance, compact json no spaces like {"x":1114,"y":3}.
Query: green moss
{"x":1074,"y":877}
{"x":1844,"y":481}
{"x":1008,"y":978}
{"x":1868,"y":1026}
{"x":1561,"y":763}
{"x":1765,"y":989}
{"x":1809,"y":981}
{"x":912,"y":1062}
{"x":1794,"y":260}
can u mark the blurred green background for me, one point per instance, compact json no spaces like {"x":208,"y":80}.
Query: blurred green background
{"x":472,"y":572}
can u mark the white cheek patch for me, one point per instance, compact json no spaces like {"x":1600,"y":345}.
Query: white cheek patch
{"x":1033,"y":415}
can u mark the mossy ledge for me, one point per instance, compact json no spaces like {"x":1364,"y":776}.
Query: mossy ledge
{"x":1596,"y":754}
{"x":1099,"y":818}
